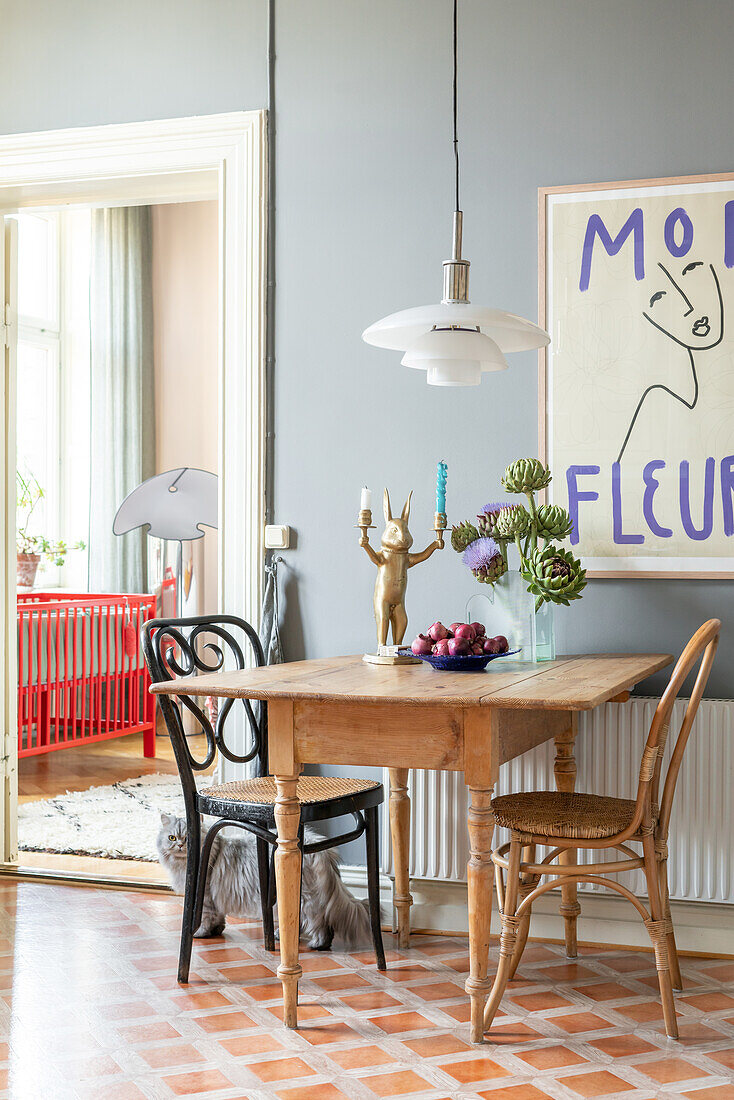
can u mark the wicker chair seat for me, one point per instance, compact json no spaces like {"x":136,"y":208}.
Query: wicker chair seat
{"x":311,"y":788}
{"x":562,"y":814}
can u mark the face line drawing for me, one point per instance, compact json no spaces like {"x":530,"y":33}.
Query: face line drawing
{"x":681,"y":343}
{"x":688,"y":302}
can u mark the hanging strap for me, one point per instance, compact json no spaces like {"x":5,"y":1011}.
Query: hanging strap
{"x":270,"y":617}
{"x":129,"y":637}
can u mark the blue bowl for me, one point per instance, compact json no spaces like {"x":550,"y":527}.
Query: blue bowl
{"x":460,"y":664}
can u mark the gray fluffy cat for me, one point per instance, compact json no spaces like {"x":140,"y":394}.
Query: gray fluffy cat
{"x":233,"y":886}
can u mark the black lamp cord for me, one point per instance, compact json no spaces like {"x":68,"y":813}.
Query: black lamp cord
{"x":455,"y":87}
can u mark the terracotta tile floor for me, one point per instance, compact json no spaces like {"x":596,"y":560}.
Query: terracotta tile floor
{"x":90,"y":1010}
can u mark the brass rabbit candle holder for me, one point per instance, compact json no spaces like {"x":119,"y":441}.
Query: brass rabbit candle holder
{"x":393,"y":560}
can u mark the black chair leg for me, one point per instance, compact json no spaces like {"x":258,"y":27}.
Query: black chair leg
{"x":371,"y":835}
{"x":204,"y":857}
{"x":272,"y":896}
{"x":193,"y":861}
{"x":266,"y":907}
{"x":301,"y":831}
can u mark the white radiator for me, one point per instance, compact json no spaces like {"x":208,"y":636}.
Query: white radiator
{"x":608,"y":750}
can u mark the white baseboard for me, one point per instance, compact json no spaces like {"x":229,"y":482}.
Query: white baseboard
{"x":700,"y":927}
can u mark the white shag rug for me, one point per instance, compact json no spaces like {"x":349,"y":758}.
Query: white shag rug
{"x":117,"y":822}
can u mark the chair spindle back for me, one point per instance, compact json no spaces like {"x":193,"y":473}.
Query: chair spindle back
{"x":702,"y":647}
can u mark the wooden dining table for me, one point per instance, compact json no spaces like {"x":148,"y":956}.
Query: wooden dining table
{"x":341,"y":710}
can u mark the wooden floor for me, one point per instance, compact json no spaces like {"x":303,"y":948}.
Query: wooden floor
{"x":95,"y":765}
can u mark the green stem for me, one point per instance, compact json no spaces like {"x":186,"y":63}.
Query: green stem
{"x":533,"y":519}
{"x":520,"y":551}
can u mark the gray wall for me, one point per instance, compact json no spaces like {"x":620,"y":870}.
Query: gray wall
{"x":568,"y":92}
{"x":87,"y":62}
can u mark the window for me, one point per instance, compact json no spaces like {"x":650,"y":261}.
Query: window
{"x":53,"y":380}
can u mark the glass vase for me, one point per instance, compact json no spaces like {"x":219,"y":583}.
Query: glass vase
{"x":508,"y":608}
{"x":544,"y":642}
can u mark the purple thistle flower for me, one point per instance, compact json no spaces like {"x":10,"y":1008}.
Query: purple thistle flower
{"x":484,"y":558}
{"x":480,"y":553}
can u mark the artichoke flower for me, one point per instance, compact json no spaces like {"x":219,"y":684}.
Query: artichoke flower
{"x":486,"y":522}
{"x":553,"y":522}
{"x":484,"y":558}
{"x":554,"y":575}
{"x":487,"y":518}
{"x":462,"y":535}
{"x":512,"y":522}
{"x":526,"y":475}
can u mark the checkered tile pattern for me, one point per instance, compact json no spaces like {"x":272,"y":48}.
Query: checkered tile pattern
{"x":90,"y":1010}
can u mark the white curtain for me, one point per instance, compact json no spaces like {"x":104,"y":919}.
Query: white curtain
{"x":122,"y":391}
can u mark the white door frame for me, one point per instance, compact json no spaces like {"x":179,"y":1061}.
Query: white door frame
{"x":8,"y":600}
{"x":174,"y":160}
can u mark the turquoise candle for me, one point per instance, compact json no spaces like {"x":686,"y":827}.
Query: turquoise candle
{"x":442,"y":472}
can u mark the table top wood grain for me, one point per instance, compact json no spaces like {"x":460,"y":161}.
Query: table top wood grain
{"x":569,"y":683}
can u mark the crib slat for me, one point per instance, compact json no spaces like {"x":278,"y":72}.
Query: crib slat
{"x":21,"y":678}
{"x":107,"y":610}
{"x":75,"y":719}
{"x":40,"y":709}
{"x":57,"y":678}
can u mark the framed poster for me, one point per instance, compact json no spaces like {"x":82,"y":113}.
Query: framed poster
{"x":637,"y":386}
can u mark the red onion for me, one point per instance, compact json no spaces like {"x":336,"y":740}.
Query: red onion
{"x":465,"y":631}
{"x":459,"y":647}
{"x":438,"y":632}
{"x":421,"y":645}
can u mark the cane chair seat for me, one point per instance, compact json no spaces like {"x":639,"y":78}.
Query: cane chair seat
{"x":311,"y":788}
{"x":562,"y":814}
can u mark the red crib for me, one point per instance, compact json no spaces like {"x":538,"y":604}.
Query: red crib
{"x":81,"y":673}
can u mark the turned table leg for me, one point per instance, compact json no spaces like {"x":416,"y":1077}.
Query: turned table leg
{"x":288,"y":853}
{"x":479,"y":876}
{"x":288,"y":884}
{"x":400,"y":832}
{"x":565,"y":773}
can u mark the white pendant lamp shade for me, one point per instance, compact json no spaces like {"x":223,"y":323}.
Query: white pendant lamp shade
{"x":454,"y":357}
{"x":454,"y":341}
{"x":509,"y":332}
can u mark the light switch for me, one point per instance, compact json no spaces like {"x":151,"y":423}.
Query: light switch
{"x":277,"y":536}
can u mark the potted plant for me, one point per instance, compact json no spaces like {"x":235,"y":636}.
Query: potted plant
{"x":548,"y":574}
{"x":31,"y":548}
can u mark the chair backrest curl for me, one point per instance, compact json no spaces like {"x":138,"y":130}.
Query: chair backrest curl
{"x":205,"y":643}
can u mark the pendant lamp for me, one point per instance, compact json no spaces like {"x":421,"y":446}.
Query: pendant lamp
{"x":454,"y":341}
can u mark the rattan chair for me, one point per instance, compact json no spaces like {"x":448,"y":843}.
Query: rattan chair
{"x":183,"y":647}
{"x":570,"y":821}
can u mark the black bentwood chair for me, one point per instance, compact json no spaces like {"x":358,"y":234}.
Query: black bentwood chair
{"x":183,"y":647}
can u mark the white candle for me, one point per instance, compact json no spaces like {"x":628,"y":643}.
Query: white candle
{"x":365,"y":501}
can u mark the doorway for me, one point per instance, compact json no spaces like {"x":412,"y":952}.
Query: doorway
{"x":206,"y":258}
